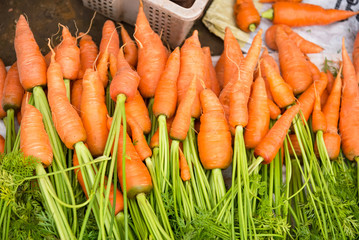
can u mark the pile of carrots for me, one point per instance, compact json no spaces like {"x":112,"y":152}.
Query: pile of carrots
{"x":143,"y":133}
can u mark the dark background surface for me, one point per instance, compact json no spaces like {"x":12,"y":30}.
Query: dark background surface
{"x":45,"y":15}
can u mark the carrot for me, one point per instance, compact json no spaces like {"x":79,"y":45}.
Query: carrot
{"x":34,"y":140}
{"x":247,"y":16}
{"x":152,"y":55}
{"x":24,"y":102}
{"x":236,"y":93}
{"x":138,"y":139}
{"x":307,"y":99}
{"x":324,"y":98}
{"x":76,"y":95}
{"x":281,"y":92}
{"x":119,"y":197}
{"x":55,"y":77}
{"x":319,"y":122}
{"x":130,"y":48}
{"x":192,"y":65}
{"x":49,"y":54}
{"x":13,"y":91}
{"x":125,"y":81}
{"x":348,"y":121}
{"x":185,"y":172}
{"x":214,"y":137}
{"x":271,"y":143}
{"x":136,"y":108}
{"x":94,"y":112}
{"x":30,"y":62}
{"x":113,"y":64}
{"x":211,"y":72}
{"x":182,"y":119}
{"x":109,"y":39}
{"x":356,"y":55}
{"x":258,"y":115}
{"x":304,"y":45}
{"x":303,"y":14}
{"x":138,"y":179}
{"x":332,"y":106}
{"x":2,"y":83}
{"x":2,"y":144}
{"x":66,"y":120}
{"x":273,"y":110}
{"x":332,"y":143}
{"x":233,"y":57}
{"x":155,"y":137}
{"x":270,"y":60}
{"x":330,"y":80}
{"x":165,"y":101}
{"x":88,"y":52}
{"x":220,"y":70}
{"x":292,"y":63}
{"x":295,"y":143}
{"x":313,"y":69}
{"x":68,"y":55}
{"x":102,"y":67}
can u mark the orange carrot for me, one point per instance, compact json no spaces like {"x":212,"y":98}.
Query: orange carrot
{"x":30,"y":62}
{"x":94,"y":112}
{"x":109,"y":39}
{"x":330,"y":80}
{"x":152,"y":55}
{"x":233,"y":57}
{"x":220,"y":70}
{"x":119,"y":197}
{"x":270,"y":60}
{"x":211,"y":72}
{"x":247,"y":16}
{"x":324,"y":98}
{"x":138,"y":139}
{"x":332,"y":106}
{"x":332,"y":144}
{"x":349,"y":121}
{"x":68,"y":55}
{"x":13,"y":91}
{"x":258,"y":115}
{"x":2,"y":144}
{"x":55,"y":77}
{"x":137,"y":109}
{"x":296,"y":146}
{"x":356,"y":55}
{"x":214,"y":137}
{"x":102,"y":67}
{"x":166,"y":92}
{"x":24,"y":102}
{"x":313,"y":69}
{"x":319,"y":122}
{"x":182,"y":119}
{"x":271,"y":143}
{"x":130,"y":48}
{"x":125,"y":81}
{"x":185,"y":173}
{"x":192,"y":65}
{"x":307,"y":99}
{"x":138,"y":178}
{"x":302,"y":14}
{"x":113,"y":64}
{"x":88,"y":52}
{"x":234,"y":97}
{"x":292,"y":63}
{"x":49,"y":54}
{"x":304,"y":45}
{"x":281,"y":92}
{"x":76,"y":95}
{"x":271,"y":1}
{"x":34,"y":140}
{"x":273,"y":110}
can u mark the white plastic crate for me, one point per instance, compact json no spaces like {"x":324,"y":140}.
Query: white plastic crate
{"x":167,"y":18}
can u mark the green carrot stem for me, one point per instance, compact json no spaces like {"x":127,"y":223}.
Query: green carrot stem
{"x":324,"y":155}
{"x":164,"y":162}
{"x":219,"y":188}
{"x":110,"y":104}
{"x":157,"y":193}
{"x":10,"y":130}
{"x":271,"y":183}
{"x":152,"y":118}
{"x":68,"y":88}
{"x":140,"y":227}
{"x":277,"y":183}
{"x":87,"y":215}
{"x":269,"y":14}
{"x":252,"y":27}
{"x":150,"y":217}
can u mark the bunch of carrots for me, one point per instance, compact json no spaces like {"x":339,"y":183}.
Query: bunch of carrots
{"x":131,"y":139}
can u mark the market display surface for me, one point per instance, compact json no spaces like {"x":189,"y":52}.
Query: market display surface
{"x":129,"y":139}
